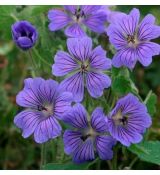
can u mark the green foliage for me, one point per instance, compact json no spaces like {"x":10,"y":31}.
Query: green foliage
{"x":68,"y":166}
{"x":121,"y":85}
{"x":151,"y":101}
{"x":147,"y":151}
{"x":6,"y":19}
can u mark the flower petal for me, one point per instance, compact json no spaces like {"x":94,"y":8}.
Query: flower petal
{"x":58,"y":19}
{"x":90,"y":9}
{"x":98,"y":122}
{"x":70,"y":8}
{"x":116,"y":37}
{"x":125,"y":57}
{"x":27,"y":120}
{"x":62,"y":104}
{"x":77,"y":117}
{"x":96,"y":22}
{"x":37,"y":91}
{"x":80,"y":48}
{"x":98,"y":59}
{"x":75,"y":30}
{"x":147,"y":30}
{"x":64,"y":64}
{"x":124,"y":135}
{"x":145,"y":51}
{"x":47,"y":129}
{"x":75,"y":85}
{"x":104,"y":146}
{"x":128,"y":24}
{"x":24,"y":42}
{"x":72,"y":141}
{"x":96,"y":82}
{"x":85,"y":152}
{"x":29,"y":98}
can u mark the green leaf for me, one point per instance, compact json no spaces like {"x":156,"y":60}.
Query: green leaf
{"x":148,"y":151}
{"x":43,"y":9}
{"x":68,"y":166}
{"x":121,"y":85}
{"x":150,"y":102}
{"x":6,"y":20}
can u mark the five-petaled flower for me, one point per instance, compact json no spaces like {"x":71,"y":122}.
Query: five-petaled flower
{"x":90,"y":137}
{"x":24,"y":34}
{"x":87,"y":68}
{"x":44,"y":104}
{"x":132,"y":40}
{"x":77,"y":17}
{"x":128,"y":120}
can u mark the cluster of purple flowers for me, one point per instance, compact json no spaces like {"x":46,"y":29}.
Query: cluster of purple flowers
{"x":47,"y":102}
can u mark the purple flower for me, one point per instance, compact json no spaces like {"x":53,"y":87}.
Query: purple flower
{"x":111,"y":16}
{"x":132,"y":40}
{"x":24,"y":34}
{"x":44,"y":104}
{"x":86,"y":66}
{"x":76,"y":17}
{"x":90,"y":137}
{"x":128,"y":120}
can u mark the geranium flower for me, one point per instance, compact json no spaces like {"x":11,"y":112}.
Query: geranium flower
{"x":76,"y":17}
{"x":128,"y":120}
{"x":90,"y":137}
{"x":44,"y":104}
{"x":86,"y":66}
{"x":132,"y":40}
{"x":24,"y":34}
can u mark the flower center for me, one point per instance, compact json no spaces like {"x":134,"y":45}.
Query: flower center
{"x":47,"y":110}
{"x":120,"y":119}
{"x":84,"y":67}
{"x":88,"y":133}
{"x":79,"y":15}
{"x":131,"y":39}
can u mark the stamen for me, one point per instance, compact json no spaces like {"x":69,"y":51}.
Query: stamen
{"x":124,"y":120}
{"x":120,"y":119}
{"x":84,"y":68}
{"x":41,"y":108}
{"x":79,"y":14}
{"x":47,"y":110}
{"x":131,"y":38}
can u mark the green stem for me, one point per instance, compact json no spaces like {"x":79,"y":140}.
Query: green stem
{"x":43,"y":155}
{"x":39,"y":56}
{"x":133,"y":162}
{"x":148,"y":96}
{"x":34,"y":67}
{"x":109,"y":164}
{"x":87,"y":100}
{"x":114,"y":162}
{"x":14,"y":17}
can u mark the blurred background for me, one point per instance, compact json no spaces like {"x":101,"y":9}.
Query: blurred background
{"x":15,"y":66}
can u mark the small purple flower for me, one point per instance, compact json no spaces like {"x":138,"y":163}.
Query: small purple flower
{"x":24,"y":34}
{"x":44,"y":104}
{"x":132,"y":40}
{"x":86,"y":66}
{"x":89,"y":138}
{"x":76,"y":17}
{"x":128,"y":120}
